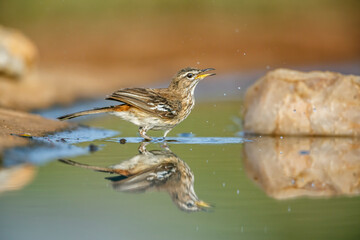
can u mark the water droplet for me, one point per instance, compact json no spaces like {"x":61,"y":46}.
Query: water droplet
{"x":239,"y":88}
{"x":238,"y":192}
{"x":223,"y":184}
{"x":224,"y":94}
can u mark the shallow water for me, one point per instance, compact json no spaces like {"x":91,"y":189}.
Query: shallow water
{"x":257,"y":188}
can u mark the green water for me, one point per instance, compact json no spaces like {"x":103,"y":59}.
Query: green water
{"x":67,"y":202}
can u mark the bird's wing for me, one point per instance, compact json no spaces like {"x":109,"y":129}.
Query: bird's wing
{"x":145,"y":180}
{"x":150,"y":100}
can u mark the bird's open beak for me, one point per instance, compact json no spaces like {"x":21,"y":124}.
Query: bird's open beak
{"x":203,"y":75}
{"x":202,"y":204}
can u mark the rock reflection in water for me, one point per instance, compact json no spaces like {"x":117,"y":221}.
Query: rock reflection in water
{"x":16,"y":177}
{"x":292,"y":167}
{"x":152,"y":170}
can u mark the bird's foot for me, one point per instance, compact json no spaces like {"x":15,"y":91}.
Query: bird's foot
{"x":147,"y":138}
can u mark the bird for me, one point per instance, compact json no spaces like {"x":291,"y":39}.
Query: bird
{"x":159,"y":170}
{"x":159,"y":109}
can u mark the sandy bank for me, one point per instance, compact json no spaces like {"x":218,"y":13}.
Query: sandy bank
{"x":13,"y":123}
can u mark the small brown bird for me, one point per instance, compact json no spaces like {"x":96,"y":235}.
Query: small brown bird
{"x":155,"y":109}
{"x":159,"y":170}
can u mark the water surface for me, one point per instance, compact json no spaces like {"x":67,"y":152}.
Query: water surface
{"x":260,"y":189}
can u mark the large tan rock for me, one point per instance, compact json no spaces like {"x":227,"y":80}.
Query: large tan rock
{"x":17,"y":53}
{"x":286,"y":102}
{"x":292,"y":167}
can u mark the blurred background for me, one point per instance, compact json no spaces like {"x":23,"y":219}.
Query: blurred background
{"x":83,"y":49}
{"x":151,"y":40}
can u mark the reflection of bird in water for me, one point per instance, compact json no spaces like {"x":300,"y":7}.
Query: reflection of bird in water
{"x":158,"y":170}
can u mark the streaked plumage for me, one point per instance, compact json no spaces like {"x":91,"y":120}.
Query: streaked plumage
{"x":156,"y":109}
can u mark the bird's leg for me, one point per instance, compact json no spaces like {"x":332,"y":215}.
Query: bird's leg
{"x":142,"y":147}
{"x":166,"y":132}
{"x":142,"y":131}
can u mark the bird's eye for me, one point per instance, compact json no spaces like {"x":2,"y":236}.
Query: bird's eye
{"x":189,"y":204}
{"x":189,"y":75}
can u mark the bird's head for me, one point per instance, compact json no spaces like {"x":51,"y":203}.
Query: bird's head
{"x":185,"y":198}
{"x":194,"y":206}
{"x":187,"y":79}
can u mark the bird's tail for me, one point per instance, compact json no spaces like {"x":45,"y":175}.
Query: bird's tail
{"x":118,"y":108}
{"x":95,"y":168}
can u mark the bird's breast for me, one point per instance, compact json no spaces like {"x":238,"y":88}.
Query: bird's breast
{"x":187,"y":105}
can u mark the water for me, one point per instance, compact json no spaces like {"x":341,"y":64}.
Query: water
{"x":309,"y":190}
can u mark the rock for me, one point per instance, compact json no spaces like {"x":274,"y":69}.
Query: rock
{"x":93,"y":148}
{"x":17,"y":53}
{"x":297,"y":166}
{"x":287,"y":102}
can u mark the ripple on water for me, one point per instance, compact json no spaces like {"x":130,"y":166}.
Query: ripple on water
{"x":57,"y":145}
{"x":187,"y":140}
